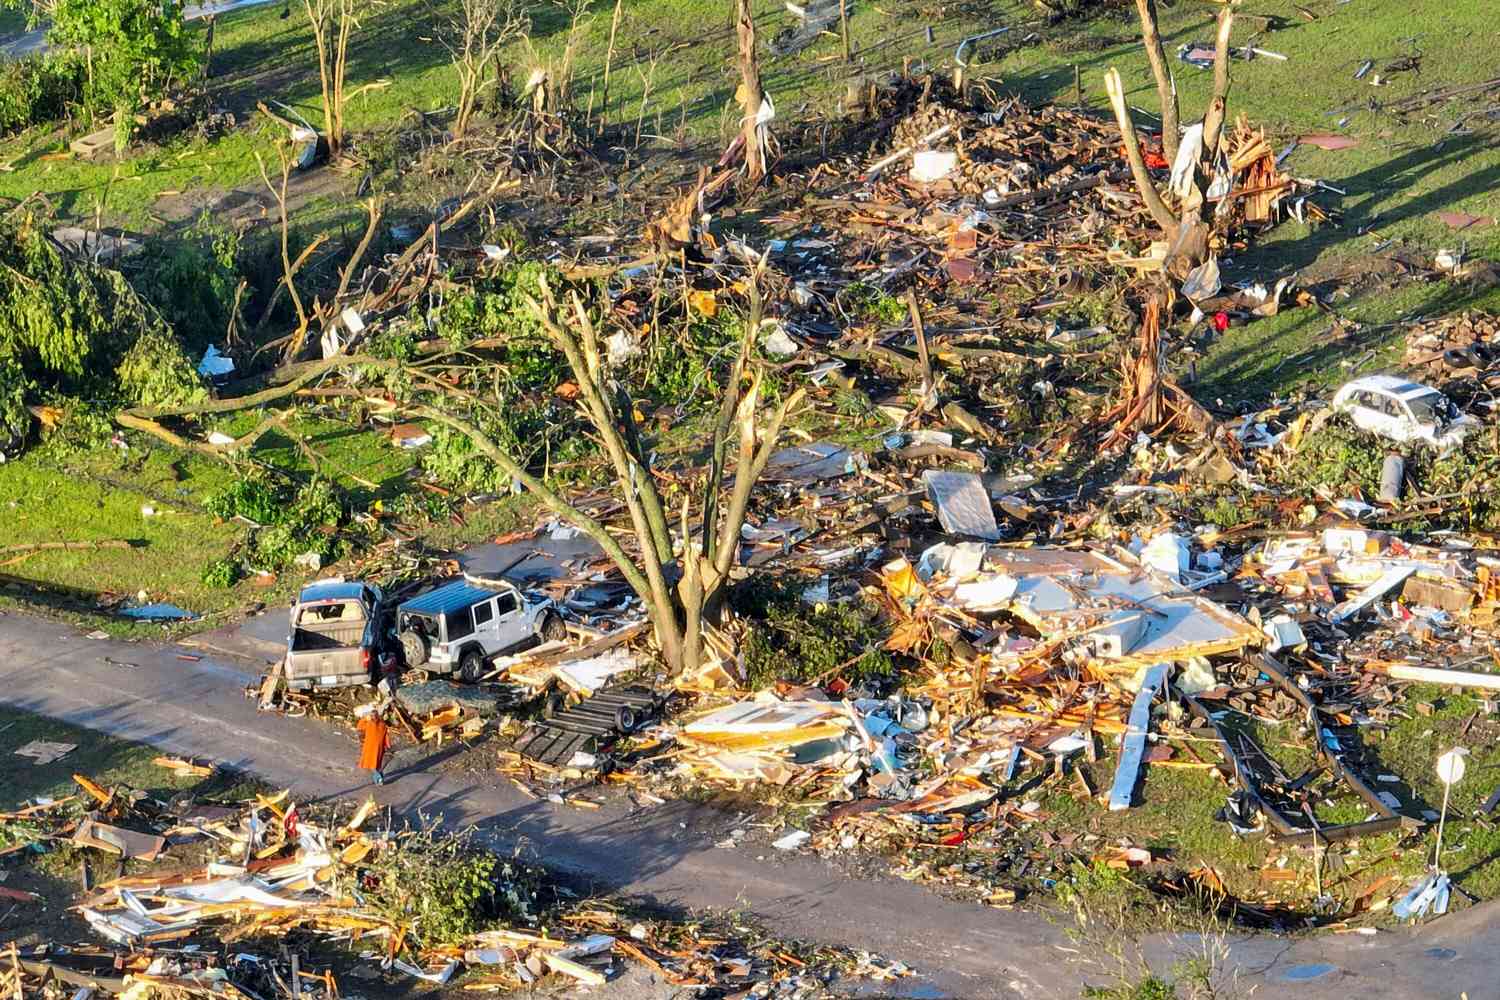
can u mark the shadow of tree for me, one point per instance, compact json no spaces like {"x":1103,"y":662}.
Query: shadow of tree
{"x":1309,"y":347}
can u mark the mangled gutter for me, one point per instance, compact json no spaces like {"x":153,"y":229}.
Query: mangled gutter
{"x":1133,"y":746}
{"x":1283,"y":829}
{"x":958,"y":54}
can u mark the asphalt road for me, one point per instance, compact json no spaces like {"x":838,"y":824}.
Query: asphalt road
{"x":666,"y":853}
{"x":31,"y":42}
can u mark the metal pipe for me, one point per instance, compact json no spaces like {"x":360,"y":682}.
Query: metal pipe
{"x":958,"y":54}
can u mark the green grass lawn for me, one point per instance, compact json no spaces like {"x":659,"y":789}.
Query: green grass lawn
{"x":674,"y":53}
{"x":1402,"y":173}
{"x":108,"y":761}
{"x":1298,"y":349}
{"x":1174,"y":811}
{"x":100,"y":496}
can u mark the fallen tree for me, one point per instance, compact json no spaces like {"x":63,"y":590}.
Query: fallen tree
{"x":73,"y":327}
{"x":679,"y":575}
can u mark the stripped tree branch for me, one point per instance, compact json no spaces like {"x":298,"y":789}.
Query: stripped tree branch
{"x":1154,"y":204}
{"x":1166,"y":87}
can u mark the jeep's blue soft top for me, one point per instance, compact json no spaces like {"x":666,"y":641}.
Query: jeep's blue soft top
{"x":449,"y":597}
{"x":332,"y":590}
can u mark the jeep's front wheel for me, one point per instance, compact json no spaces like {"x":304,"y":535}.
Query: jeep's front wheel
{"x":553,"y":628}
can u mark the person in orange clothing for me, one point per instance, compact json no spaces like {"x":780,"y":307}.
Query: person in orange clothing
{"x":377,"y":740}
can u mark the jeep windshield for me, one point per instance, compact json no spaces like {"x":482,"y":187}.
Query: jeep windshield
{"x":1431,"y":408}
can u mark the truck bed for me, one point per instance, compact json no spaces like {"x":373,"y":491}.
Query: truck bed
{"x":324,"y":637}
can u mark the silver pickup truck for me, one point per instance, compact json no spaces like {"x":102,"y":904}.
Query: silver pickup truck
{"x":338,"y":631}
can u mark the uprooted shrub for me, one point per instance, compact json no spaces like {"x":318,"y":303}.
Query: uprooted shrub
{"x":38,"y":90}
{"x":290,"y":522}
{"x":72,"y":328}
{"x":792,"y":639}
{"x":446,"y":888}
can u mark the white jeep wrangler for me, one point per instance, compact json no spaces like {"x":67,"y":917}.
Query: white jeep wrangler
{"x":457,"y":627}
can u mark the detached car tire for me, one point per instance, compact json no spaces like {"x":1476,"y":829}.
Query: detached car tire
{"x":414,"y":648}
{"x":471,"y":666}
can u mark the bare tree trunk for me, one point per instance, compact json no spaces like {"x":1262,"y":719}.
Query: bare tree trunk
{"x":1213,"y":118}
{"x":844,"y":29}
{"x":1143,"y":183}
{"x":609,"y":58}
{"x":332,"y":23}
{"x":1166,"y":87}
{"x":750,"y":92}
{"x":341,"y":63}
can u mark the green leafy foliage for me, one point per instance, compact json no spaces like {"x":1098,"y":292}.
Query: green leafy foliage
{"x":251,"y":497}
{"x":14,"y":420}
{"x":135,"y":50}
{"x":156,"y":371}
{"x":796,"y":641}
{"x":394,"y":344}
{"x":1468,"y":478}
{"x":457,"y":465}
{"x":537,"y":433}
{"x":1148,"y":988}
{"x":37,"y":90}
{"x":221,"y":573}
{"x":84,"y":428}
{"x":1341,"y":458}
{"x":81,"y":330}
{"x":497,"y":305}
{"x":447,"y":889}
{"x":1337,"y":456}
{"x":311,"y":524}
{"x":291,"y":522}
{"x":1225,"y":509}
{"x":680,"y":370}
{"x":191,"y":278}
{"x":871,"y":304}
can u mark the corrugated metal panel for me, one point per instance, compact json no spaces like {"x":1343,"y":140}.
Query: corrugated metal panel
{"x":449,"y":597}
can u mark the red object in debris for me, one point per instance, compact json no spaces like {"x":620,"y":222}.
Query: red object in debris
{"x":290,"y":821}
{"x":952,"y":840}
{"x":1221,"y":321}
{"x":1154,"y":159}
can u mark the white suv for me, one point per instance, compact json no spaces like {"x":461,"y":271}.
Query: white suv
{"x":1403,"y":411}
{"x":460,"y":625}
